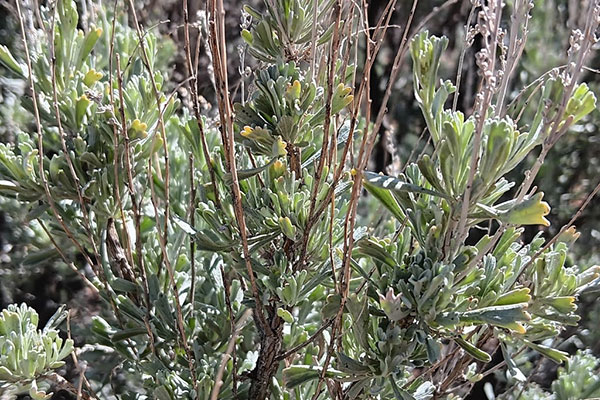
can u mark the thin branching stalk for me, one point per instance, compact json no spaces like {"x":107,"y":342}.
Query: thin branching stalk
{"x":41,"y":168}
{"x":134,"y":205}
{"x":466,"y":43}
{"x":396,"y":66}
{"x":61,"y":134}
{"x":327,"y":124}
{"x":193,"y":86}
{"x":518,"y":38}
{"x":313,"y":39}
{"x":491,"y":15}
{"x":354,"y":116}
{"x":344,"y":279}
{"x":192,"y":219}
{"x":571,"y":75}
{"x":216,"y":40}
{"x":230,"y":348}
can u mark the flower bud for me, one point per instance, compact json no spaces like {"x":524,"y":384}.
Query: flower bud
{"x":92,"y":77}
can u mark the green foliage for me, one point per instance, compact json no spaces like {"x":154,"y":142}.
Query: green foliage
{"x":286,"y":106}
{"x":28,"y":355}
{"x":182,"y":247}
{"x":285,"y":32}
{"x":441,"y":288}
{"x":578,"y":379}
{"x":84,"y":108}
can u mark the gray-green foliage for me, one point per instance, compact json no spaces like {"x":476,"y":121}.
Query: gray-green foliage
{"x":121,"y":174}
{"x":90,"y":111}
{"x":286,"y":30}
{"x":577,"y":379}
{"x":429,"y":287}
{"x":29,"y":355}
{"x":91,"y":114}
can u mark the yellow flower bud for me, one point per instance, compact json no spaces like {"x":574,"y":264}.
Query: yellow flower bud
{"x":92,"y":77}
{"x":247,"y":131}
{"x":529,"y":212}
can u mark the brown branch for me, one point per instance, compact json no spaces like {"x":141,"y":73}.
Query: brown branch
{"x":217,"y":42}
{"x":230,"y":347}
{"x":308,"y":341}
{"x":163,"y":239}
{"x":134,"y":205}
{"x":193,"y":85}
{"x":378,"y":35}
{"x":227,"y":287}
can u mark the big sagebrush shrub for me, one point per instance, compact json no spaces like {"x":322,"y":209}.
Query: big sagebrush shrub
{"x":230,"y":249}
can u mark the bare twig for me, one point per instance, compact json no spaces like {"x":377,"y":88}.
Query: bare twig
{"x":313,"y":41}
{"x":519,"y":21}
{"x":134,"y":205}
{"x":333,"y":55}
{"x":193,"y":85}
{"x":465,"y":45}
{"x":66,"y":260}
{"x":230,"y":346}
{"x":61,"y":134}
{"x":315,"y":215}
{"x":217,"y":42}
{"x":492,"y":13}
{"x":163,"y":238}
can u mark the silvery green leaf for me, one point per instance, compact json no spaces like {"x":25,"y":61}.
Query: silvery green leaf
{"x":478,"y":354}
{"x":395,"y":184}
{"x":298,"y":374}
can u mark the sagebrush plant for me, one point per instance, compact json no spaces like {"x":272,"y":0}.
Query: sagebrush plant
{"x":29,"y":355}
{"x":192,"y":225}
{"x":577,"y":379}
